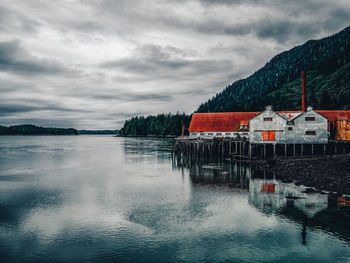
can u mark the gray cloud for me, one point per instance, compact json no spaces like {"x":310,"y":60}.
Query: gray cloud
{"x":24,"y":105}
{"x":166,"y":62}
{"x":15,"y":59}
{"x":12,"y":21}
{"x":134,"y":97}
{"x":92,"y":64}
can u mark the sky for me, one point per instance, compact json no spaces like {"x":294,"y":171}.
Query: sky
{"x":94,"y":64}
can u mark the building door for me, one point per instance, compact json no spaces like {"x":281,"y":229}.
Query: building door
{"x":271,"y":135}
{"x":268,"y":135}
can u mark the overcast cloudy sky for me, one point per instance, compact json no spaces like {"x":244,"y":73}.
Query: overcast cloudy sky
{"x":93,"y":64}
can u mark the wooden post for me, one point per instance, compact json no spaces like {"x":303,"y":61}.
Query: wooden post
{"x":285,"y":150}
{"x":250,"y":151}
{"x":274,"y":150}
{"x":324,"y":149}
{"x":264,"y":150}
{"x":302,"y":150}
{"x":312,"y":149}
{"x":335,"y":148}
{"x":294,"y":149}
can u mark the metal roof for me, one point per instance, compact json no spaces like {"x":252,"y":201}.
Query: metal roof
{"x":230,"y":121}
{"x":333,"y":115}
{"x":223,"y":121}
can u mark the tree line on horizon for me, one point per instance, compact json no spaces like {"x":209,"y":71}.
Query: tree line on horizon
{"x":159,"y":125}
{"x":29,"y":129}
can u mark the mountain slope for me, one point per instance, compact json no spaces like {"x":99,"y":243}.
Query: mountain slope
{"x":321,"y":58}
{"x":325,"y":90}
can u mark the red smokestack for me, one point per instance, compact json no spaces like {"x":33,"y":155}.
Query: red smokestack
{"x":303,"y":90}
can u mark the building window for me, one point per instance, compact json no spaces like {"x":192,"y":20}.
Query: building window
{"x":309,"y":118}
{"x":210,"y":133}
{"x":290,"y":128}
{"x":267,"y":118}
{"x":227,"y":133}
{"x":218,"y":133}
{"x":194,"y":134}
{"x":313,"y":133}
{"x":202,"y":133}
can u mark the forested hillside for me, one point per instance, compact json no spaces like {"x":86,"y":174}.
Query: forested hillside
{"x":160,"y":125}
{"x":325,"y":90}
{"x":326,"y":62}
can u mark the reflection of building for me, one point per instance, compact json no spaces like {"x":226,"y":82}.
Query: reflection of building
{"x":309,"y":210}
{"x":270,"y":199}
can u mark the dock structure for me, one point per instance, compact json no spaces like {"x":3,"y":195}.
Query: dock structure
{"x":243,"y":149}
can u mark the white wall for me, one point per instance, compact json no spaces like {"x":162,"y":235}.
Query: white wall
{"x":257,"y":125}
{"x":298,"y":134}
{"x":210,"y":134}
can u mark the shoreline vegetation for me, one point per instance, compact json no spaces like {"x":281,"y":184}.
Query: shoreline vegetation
{"x":29,"y":129}
{"x":96,"y":132}
{"x":162,"y":125}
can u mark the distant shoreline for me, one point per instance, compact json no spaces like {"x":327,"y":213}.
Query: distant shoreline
{"x":147,"y":136}
{"x":33,"y":130}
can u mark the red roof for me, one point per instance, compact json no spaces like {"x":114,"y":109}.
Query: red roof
{"x":230,"y":121}
{"x":333,"y":115}
{"x":223,"y":121}
{"x":244,"y":123}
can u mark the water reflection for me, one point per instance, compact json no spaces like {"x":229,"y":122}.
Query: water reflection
{"x":100,"y":198}
{"x":304,"y":205}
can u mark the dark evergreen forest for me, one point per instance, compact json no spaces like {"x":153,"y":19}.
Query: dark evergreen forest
{"x":160,"y":125}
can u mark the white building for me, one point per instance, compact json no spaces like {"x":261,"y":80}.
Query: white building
{"x":288,"y":127}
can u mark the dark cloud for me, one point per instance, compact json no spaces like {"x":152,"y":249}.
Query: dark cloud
{"x":25,"y":106}
{"x":166,"y":62}
{"x":12,"y":21}
{"x":135,"y":97}
{"x":15,"y":59}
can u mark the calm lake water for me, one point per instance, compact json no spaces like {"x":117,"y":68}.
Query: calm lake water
{"x":107,"y":199}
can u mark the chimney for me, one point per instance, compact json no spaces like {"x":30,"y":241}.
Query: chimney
{"x":303,"y":90}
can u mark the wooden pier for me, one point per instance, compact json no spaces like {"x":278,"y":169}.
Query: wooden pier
{"x":233,"y":148}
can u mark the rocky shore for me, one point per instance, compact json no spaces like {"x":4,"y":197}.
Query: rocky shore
{"x":331,"y":173}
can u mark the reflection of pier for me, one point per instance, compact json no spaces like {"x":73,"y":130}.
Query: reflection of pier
{"x":234,"y":175}
{"x":213,"y":172}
